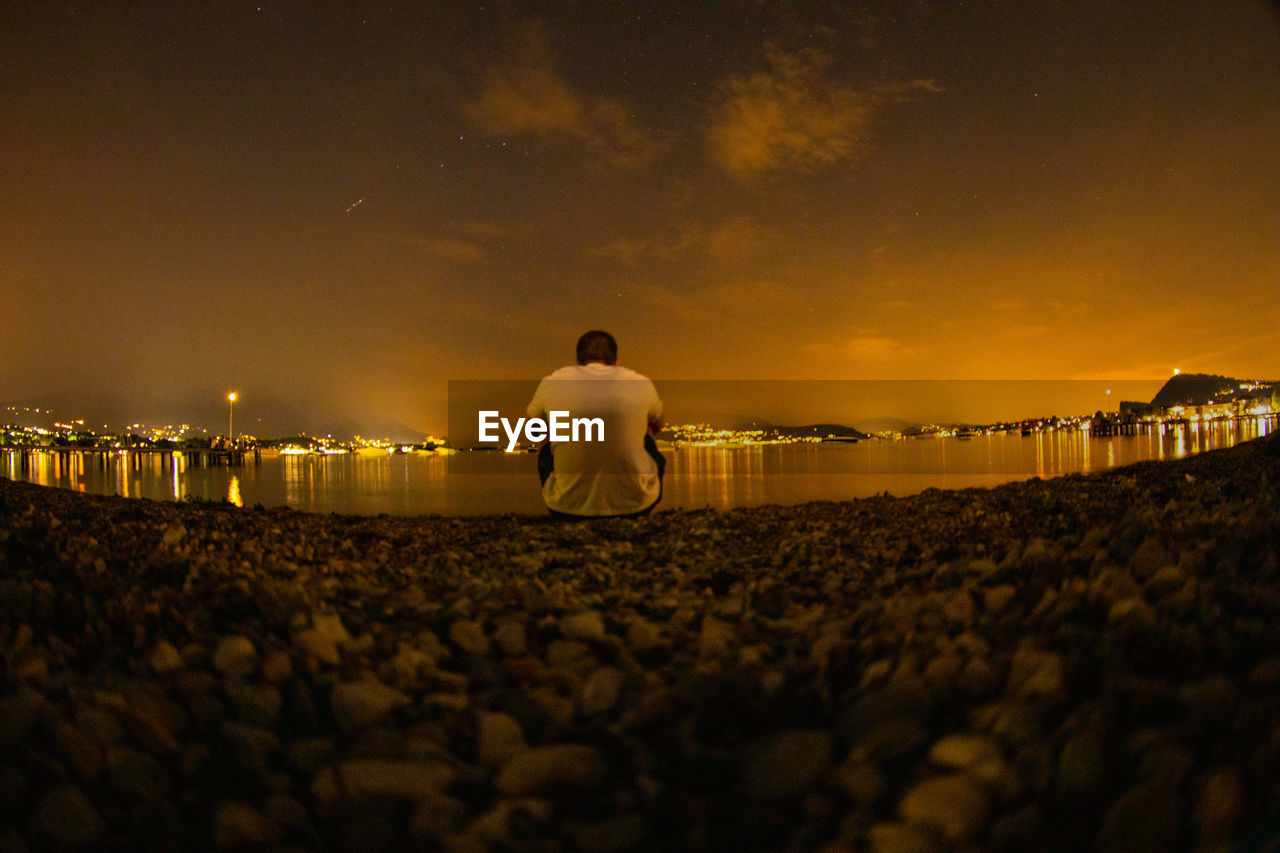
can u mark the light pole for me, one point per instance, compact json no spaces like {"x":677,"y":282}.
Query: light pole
{"x":231,"y":411}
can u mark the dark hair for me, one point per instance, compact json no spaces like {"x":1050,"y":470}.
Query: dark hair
{"x":597,"y":346}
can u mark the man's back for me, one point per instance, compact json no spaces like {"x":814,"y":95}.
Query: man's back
{"x":597,"y":475}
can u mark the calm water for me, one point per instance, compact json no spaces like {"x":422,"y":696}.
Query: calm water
{"x":696,"y":477}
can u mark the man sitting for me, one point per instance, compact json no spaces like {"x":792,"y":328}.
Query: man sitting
{"x":618,"y":473}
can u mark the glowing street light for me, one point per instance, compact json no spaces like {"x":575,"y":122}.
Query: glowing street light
{"x":231,"y":411}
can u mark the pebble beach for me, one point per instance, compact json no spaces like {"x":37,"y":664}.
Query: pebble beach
{"x":1085,"y":663}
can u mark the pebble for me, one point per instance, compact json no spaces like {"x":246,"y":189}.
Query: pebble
{"x":874,"y":674}
{"x":357,"y":704}
{"x":600,"y":691}
{"x":470,"y":637}
{"x":587,"y":626}
{"x":498,"y":737}
{"x":954,"y":805}
{"x":509,"y":636}
{"x":238,"y":825}
{"x":787,"y":764}
{"x":962,"y":751}
{"x":556,"y":770}
{"x":164,"y":657}
{"x":360,"y":779}
{"x":235,"y":656}
{"x":64,"y":818}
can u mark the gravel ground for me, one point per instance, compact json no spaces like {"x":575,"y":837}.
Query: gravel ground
{"x":1091,"y":662}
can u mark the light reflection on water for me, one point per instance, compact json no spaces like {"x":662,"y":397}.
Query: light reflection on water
{"x":697,"y":477}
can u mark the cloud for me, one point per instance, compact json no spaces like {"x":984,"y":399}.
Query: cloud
{"x":794,"y":116}
{"x":530,"y":96}
{"x":450,"y":249}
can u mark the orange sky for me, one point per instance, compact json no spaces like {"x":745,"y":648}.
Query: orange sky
{"x":337,"y":210}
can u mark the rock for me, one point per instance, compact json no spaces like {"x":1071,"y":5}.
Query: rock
{"x":173,"y":535}
{"x":360,"y":779}
{"x":587,"y":626}
{"x":469,"y":636}
{"x":1037,"y":675}
{"x":566,"y":653}
{"x":509,"y":636}
{"x":862,"y":781}
{"x":643,"y":635}
{"x":136,"y":775}
{"x":964,"y":751}
{"x":715,"y":638}
{"x":615,"y":835}
{"x":1222,"y":803}
{"x":357,"y":704}
{"x":600,"y":692}
{"x":277,"y":668}
{"x":235,"y":656}
{"x":164,"y":657}
{"x":996,"y":598}
{"x":82,"y":753}
{"x":237,"y":825}
{"x":954,"y":805}
{"x":19,"y":714}
{"x":551,"y":770}
{"x":257,"y":704}
{"x":959,"y":609}
{"x":787,"y":764}
{"x":435,"y":816}
{"x":498,"y":737}
{"x":902,"y":838}
{"x":324,"y":638}
{"x":1145,"y":819}
{"x":1082,"y":766}
{"x":64,"y":818}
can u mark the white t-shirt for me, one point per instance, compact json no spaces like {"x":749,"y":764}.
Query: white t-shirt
{"x":613,"y":476}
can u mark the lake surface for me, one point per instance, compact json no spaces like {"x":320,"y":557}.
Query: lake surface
{"x":697,"y":477}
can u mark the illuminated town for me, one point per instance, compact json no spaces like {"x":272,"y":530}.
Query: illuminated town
{"x":1230,"y":401}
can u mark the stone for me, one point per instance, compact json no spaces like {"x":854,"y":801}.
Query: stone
{"x":1222,"y":803}
{"x":136,"y":775}
{"x":614,"y":835}
{"x":901,"y":838}
{"x":587,"y":626}
{"x":469,"y":636}
{"x":787,"y":764}
{"x":715,"y":638}
{"x":164,"y":657}
{"x":235,"y":656}
{"x":498,"y":737}
{"x":1147,"y":818}
{"x":1082,"y":765}
{"x":324,"y":638}
{"x":257,"y":704}
{"x":509,"y":636}
{"x":434,"y":816}
{"x":1036,"y":675}
{"x":64,"y":818}
{"x":996,"y":598}
{"x":600,"y":691}
{"x":238,"y":825}
{"x":954,"y":805}
{"x":643,"y":635}
{"x":963,"y":751}
{"x":551,"y":770}
{"x":81,"y":752}
{"x":357,"y":704}
{"x":277,"y":667}
{"x":360,"y":779}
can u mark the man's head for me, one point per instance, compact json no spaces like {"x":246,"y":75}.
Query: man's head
{"x":597,"y":346}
